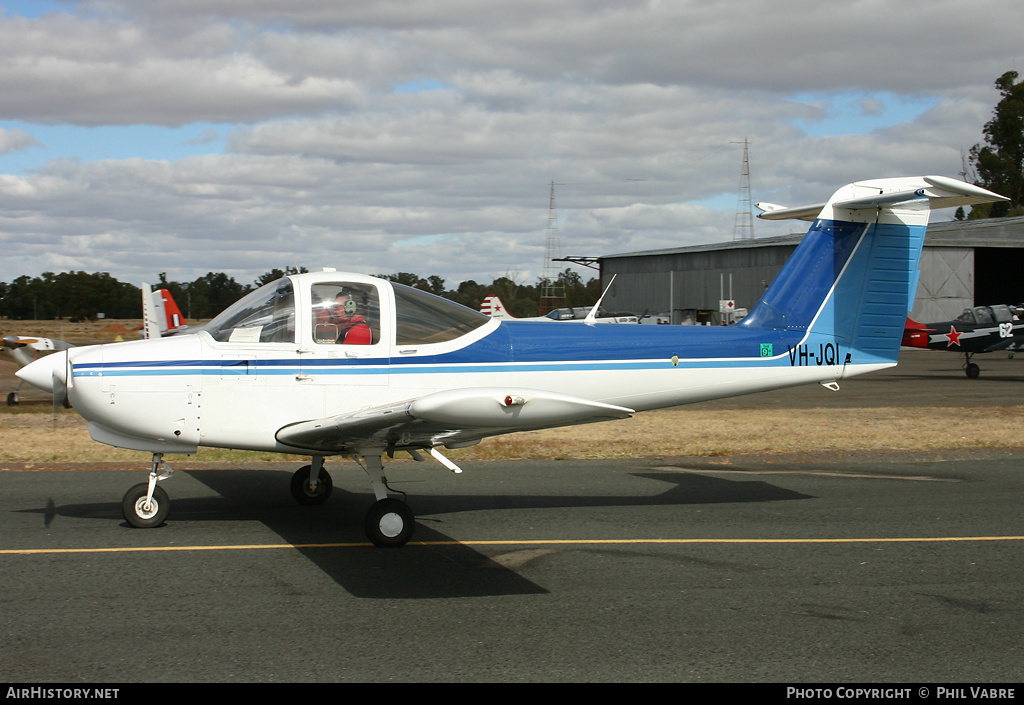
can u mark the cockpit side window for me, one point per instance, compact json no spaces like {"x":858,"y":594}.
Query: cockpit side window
{"x":1002,"y":313}
{"x":423,"y":318}
{"x":967,"y":316}
{"x":345,"y":313}
{"x":267,"y":315}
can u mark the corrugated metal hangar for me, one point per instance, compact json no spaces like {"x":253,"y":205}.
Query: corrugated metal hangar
{"x":964,"y":263}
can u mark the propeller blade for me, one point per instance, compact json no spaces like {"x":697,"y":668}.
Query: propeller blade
{"x":60,"y":377}
{"x":59,"y":393}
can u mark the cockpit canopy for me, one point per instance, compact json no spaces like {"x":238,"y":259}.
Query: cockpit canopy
{"x":266,"y":315}
{"x":986,"y":314}
{"x":342,"y":311}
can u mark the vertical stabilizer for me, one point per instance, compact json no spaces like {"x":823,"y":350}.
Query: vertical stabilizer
{"x":493,"y":307}
{"x":853,"y":278}
{"x":160,"y":313}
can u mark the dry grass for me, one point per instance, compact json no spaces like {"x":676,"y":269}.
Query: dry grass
{"x":106,"y":330}
{"x":38,"y":438}
{"x":691,"y":431}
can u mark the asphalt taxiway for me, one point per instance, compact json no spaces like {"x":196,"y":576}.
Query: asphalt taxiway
{"x":866,"y":568}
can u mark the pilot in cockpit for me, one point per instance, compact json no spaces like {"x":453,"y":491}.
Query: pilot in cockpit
{"x":352,"y":328}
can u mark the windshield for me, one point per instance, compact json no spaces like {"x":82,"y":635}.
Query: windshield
{"x":267,"y":315}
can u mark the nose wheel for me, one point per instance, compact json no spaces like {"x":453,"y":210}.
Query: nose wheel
{"x":144,"y":512}
{"x":146,"y":505}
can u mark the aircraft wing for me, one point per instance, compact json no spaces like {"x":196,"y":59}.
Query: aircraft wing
{"x":453,"y":418}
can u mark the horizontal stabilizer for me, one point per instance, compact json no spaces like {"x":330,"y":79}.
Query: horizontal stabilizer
{"x":776,"y":212}
{"x":931,"y":192}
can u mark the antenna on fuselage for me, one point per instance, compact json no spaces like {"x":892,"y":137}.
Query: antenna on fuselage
{"x":591,"y":318}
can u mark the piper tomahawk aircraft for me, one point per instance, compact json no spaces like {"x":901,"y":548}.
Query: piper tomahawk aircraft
{"x":328,"y":364}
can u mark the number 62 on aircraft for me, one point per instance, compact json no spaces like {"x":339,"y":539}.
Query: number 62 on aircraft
{"x":333,"y":364}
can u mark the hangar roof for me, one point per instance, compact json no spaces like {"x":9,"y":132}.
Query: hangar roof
{"x":988,"y":232}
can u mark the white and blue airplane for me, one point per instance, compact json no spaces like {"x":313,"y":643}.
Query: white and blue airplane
{"x":328,"y":364}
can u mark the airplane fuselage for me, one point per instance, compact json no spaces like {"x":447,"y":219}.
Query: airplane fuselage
{"x":180,"y":393}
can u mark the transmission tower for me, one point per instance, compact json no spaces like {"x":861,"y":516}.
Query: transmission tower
{"x":552,"y":294}
{"x":743,"y":229}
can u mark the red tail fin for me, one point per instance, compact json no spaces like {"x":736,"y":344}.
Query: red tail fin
{"x":915,"y":335}
{"x":171,"y":311}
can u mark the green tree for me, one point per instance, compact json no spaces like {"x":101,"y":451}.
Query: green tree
{"x":274,"y":274}
{"x":213,"y":293}
{"x":77,"y":296}
{"x":998,"y":164}
{"x":25,"y":297}
{"x":436,"y":285}
{"x":409,"y":279}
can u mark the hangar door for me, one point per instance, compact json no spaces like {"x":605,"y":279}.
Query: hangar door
{"x":998,"y":275}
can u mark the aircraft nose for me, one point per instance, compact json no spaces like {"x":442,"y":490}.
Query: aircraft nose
{"x":41,"y":373}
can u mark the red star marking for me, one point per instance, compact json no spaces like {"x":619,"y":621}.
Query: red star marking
{"x":954,"y":337}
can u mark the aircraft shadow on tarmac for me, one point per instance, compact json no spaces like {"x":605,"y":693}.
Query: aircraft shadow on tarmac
{"x":442,"y":569}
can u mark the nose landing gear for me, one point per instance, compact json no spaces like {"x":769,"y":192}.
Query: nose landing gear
{"x":146,"y":505}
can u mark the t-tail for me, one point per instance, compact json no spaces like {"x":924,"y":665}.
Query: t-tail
{"x":851,"y":283}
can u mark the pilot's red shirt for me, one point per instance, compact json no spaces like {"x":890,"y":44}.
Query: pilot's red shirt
{"x":352,"y":330}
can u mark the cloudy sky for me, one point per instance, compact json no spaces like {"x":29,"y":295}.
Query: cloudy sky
{"x":189,"y":136}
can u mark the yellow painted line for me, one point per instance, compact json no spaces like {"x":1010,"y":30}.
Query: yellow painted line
{"x":537,"y":542}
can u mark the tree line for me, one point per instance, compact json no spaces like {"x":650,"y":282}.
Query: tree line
{"x":81,"y":296}
{"x":998,"y":163}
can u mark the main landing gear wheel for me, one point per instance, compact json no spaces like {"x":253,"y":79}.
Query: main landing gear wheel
{"x":390,"y":523}
{"x":12,"y":399}
{"x":303,"y":493}
{"x":972,"y":370}
{"x":138,"y":513}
